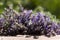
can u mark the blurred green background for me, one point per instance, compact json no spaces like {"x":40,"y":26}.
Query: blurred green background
{"x":52,"y":6}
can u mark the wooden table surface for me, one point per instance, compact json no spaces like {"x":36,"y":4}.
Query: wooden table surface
{"x":23,"y":37}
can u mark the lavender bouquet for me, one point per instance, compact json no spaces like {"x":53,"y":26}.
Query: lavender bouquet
{"x":26,"y":22}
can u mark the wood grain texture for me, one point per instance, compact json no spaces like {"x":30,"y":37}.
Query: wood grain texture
{"x":23,"y":37}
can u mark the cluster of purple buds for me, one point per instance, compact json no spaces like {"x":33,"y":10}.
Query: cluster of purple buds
{"x":25,"y":22}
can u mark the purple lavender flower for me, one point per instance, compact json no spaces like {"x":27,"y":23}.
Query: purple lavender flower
{"x":27,"y":22}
